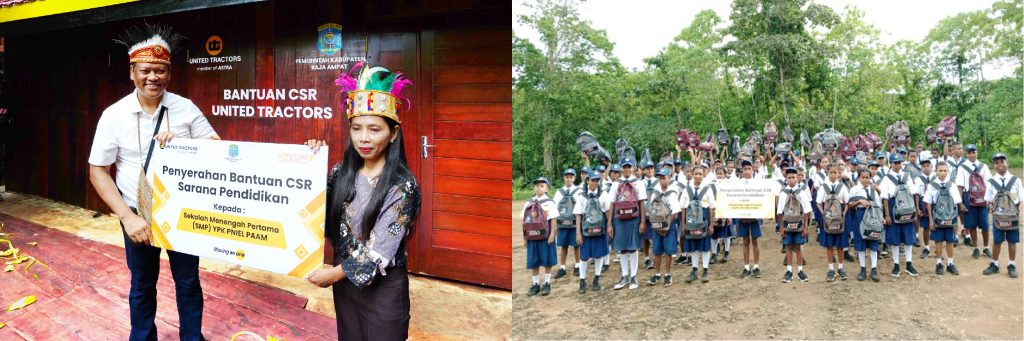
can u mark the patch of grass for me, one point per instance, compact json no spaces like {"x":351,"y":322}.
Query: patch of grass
{"x":519,"y":189}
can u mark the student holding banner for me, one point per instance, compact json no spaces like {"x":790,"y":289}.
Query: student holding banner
{"x":372,"y":202}
{"x":123,"y":138}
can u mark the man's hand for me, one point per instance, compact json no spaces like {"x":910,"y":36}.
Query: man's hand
{"x":137,"y":229}
{"x":163,"y":138}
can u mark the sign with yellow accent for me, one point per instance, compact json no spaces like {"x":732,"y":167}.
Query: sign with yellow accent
{"x":745,"y":199}
{"x":255,"y":204}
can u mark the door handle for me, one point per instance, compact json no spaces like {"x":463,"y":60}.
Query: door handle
{"x":425,"y":145}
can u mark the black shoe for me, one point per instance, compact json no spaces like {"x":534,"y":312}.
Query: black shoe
{"x":576,"y":272}
{"x":679,"y":260}
{"x":704,"y":276}
{"x":842,"y":274}
{"x":633,"y":284}
{"x":546,"y":289}
{"x":668,"y":280}
{"x":534,"y":289}
{"x":968,"y":241}
{"x":939,"y":270}
{"x":800,"y":274}
{"x":623,"y":282}
{"x":560,"y":273}
{"x":713,"y":259}
{"x":874,"y":274}
{"x":692,"y":277}
{"x":976,"y":253}
{"x":830,"y":276}
{"x":952,"y":269}
{"x":597,"y":284}
{"x":991,"y":269}
{"x":654,"y":280}
{"x":987,"y":253}
{"x":895,"y":270}
{"x":910,"y":270}
{"x":745,"y":273}
{"x":783,"y":249}
{"x":583,"y":286}
{"x":917,"y":242}
{"x":757,"y":272}
{"x":863,"y":274}
{"x":649,"y":263}
{"x":1012,"y":270}
{"x":725,"y":257}
{"x":787,"y":277}
{"x":925,"y":253}
{"x":847,"y":256}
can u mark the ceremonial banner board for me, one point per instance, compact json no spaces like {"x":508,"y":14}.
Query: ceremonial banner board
{"x":255,"y":204}
{"x":745,"y":199}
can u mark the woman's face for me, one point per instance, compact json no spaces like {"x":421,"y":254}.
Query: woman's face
{"x":370,"y":136}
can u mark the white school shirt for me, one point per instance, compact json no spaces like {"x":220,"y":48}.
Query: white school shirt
{"x":673,"y":200}
{"x":638,"y":185}
{"x":841,"y":191}
{"x":123,"y":126}
{"x":922,"y":186}
{"x":932,"y":194}
{"x":706,"y":201}
{"x":964,"y":174}
{"x":550,"y":208}
{"x":680,"y":177}
{"x":1016,"y":191}
{"x":889,"y":188}
{"x":804,"y":197}
{"x":954,"y":168}
{"x":558,"y":193}
{"x":861,"y":191}
{"x":603,"y":201}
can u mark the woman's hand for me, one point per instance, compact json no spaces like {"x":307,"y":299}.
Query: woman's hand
{"x":315,"y":144}
{"x":163,"y":138}
{"x":325,"y":276}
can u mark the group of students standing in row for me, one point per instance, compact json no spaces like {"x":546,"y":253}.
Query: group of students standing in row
{"x":871,"y":206}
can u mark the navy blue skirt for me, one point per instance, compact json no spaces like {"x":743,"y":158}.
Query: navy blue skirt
{"x":627,"y":234}
{"x":594,"y":247}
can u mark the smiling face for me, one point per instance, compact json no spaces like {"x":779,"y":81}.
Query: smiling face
{"x":1000,"y":166}
{"x":150,"y":79}
{"x":569,"y":179}
{"x":370,"y":136}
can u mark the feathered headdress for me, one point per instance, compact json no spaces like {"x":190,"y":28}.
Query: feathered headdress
{"x":149,"y":43}
{"x":375,"y":92}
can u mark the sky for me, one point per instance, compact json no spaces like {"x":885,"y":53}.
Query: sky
{"x":640,"y":29}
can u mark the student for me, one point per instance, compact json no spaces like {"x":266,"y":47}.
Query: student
{"x":666,"y":236}
{"x":818,"y":177}
{"x":953,"y":156}
{"x":750,"y":231}
{"x":540,"y":252}
{"x":913,"y":165}
{"x":649,"y":181}
{"x":899,"y":198}
{"x":565,"y":199}
{"x":923,"y":180}
{"x":875,"y":168}
{"x":831,"y":203}
{"x":942,"y":200}
{"x":591,"y":230}
{"x":614,"y":175}
{"x":698,"y":194}
{"x":1004,"y":195}
{"x":723,"y":226}
{"x":973,"y":176}
{"x":858,"y":199}
{"x":627,"y":223}
{"x":793,"y":211}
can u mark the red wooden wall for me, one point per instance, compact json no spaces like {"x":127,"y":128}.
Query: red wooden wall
{"x":458,"y":54}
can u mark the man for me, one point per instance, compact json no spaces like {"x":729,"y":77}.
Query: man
{"x":123,"y":137}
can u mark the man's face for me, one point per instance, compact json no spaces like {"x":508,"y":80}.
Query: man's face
{"x":1000,"y":165}
{"x":897,"y":166}
{"x":958,"y":151}
{"x":748,"y":171}
{"x":926,"y":168}
{"x":627,"y":170}
{"x":942,"y":171}
{"x":151,"y":79}
{"x":791,"y":178}
{"x":972,"y":155}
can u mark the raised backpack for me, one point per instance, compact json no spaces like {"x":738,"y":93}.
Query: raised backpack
{"x":792,"y":211}
{"x":722,"y":137}
{"x":566,"y":219}
{"x":1005,"y":214}
{"x":871,"y":226}
{"x":593,"y":223}
{"x":659,"y":212}
{"x":947,"y":127}
{"x":770,"y":132}
{"x":944,"y":210}
{"x":626,"y":205}
{"x":588,"y":144}
{"x":975,"y":187}
{"x":832,"y":210}
{"x":696,"y":224}
{"x":847,"y":148}
{"x":904,"y":210}
{"x":787,"y":134}
{"x":694,"y":139}
{"x":535,"y":221}
{"x":682,"y":139}
{"x":899,"y":133}
{"x":873,"y":139}
{"x":929,"y":135}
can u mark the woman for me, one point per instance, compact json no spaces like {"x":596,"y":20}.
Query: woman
{"x":372,"y":202}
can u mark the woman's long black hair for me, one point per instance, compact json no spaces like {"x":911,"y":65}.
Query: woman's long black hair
{"x":395,"y":171}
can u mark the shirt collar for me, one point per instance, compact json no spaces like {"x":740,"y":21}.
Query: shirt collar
{"x":136,"y":107}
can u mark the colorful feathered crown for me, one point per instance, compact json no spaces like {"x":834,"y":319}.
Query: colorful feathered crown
{"x":149,"y":43}
{"x":375,"y":92}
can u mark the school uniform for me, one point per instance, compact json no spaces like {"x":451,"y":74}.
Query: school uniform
{"x":931,"y":196}
{"x":649,"y":184}
{"x":975,"y":217}
{"x":669,"y":243}
{"x":627,"y":232}
{"x":817,"y":179}
{"x":1016,"y":193}
{"x":841,"y":241}
{"x":858,"y":192}
{"x":723,"y":231}
{"x":922,"y":187}
{"x":896,"y":234}
{"x":707,"y":202}
{"x":538,"y":252}
{"x":597,"y":246}
{"x":804,"y":197}
{"x":566,"y":237}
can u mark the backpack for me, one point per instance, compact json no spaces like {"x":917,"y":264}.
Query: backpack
{"x":792,"y":211}
{"x":593,"y":223}
{"x":947,"y":127}
{"x":588,"y":143}
{"x":832,"y":210}
{"x":975,"y":187}
{"x":626,"y":205}
{"x":659,"y":211}
{"x":535,"y":221}
{"x":770,"y":132}
{"x":904,"y":210}
{"x":1005,"y":214}
{"x":871,"y":225}
{"x":944,"y":211}
{"x":929,"y":135}
{"x":722,"y":137}
{"x":696,"y":222}
{"x":848,"y":148}
{"x":873,"y":140}
{"x":682,"y":140}
{"x":899,"y":133}
{"x":566,"y":219}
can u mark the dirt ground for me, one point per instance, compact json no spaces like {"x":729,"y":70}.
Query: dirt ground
{"x":968,"y":306}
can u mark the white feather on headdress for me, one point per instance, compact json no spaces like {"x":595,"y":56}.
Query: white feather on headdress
{"x":155,"y":40}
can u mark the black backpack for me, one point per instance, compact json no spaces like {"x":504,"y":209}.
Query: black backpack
{"x":594,"y":222}
{"x":1005,"y":214}
{"x":566,"y":219}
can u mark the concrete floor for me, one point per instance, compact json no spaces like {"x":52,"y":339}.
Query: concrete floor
{"x":440,"y":309}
